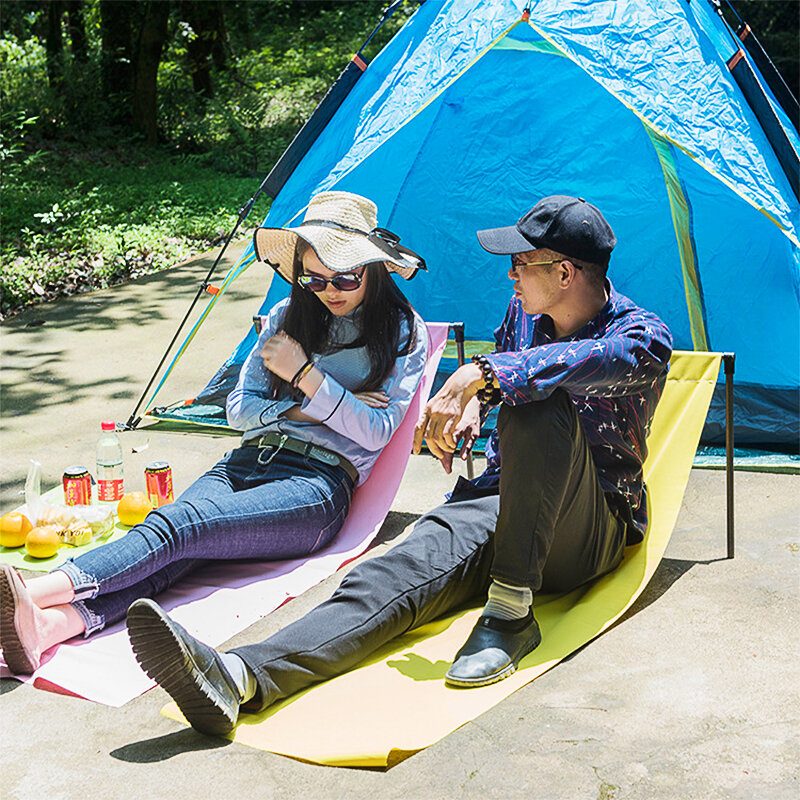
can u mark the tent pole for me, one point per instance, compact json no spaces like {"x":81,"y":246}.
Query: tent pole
{"x":133,"y":420}
{"x":458,"y":334}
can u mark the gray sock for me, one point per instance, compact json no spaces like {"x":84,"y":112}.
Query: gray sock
{"x":508,"y":602}
{"x":242,"y":675}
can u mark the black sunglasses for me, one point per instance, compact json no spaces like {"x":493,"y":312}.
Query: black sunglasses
{"x":347,"y":282}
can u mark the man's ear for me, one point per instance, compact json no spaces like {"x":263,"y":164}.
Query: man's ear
{"x":566,"y":273}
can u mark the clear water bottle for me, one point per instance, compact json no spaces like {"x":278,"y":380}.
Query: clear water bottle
{"x":110,"y":486}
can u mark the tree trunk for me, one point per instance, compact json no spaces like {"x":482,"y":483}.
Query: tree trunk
{"x":152,"y":36}
{"x":54,"y":44}
{"x":205,"y":18}
{"x":117,"y":59}
{"x":77,"y":31}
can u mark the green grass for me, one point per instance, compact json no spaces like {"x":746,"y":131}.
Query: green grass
{"x":77,"y":219}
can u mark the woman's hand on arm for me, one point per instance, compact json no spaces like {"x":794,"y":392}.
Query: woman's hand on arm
{"x":370,"y":418}
{"x":373,"y":399}
{"x":283,"y":356}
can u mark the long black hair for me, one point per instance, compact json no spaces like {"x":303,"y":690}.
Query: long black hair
{"x":308,"y":321}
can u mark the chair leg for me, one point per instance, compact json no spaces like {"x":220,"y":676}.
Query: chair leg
{"x":458,"y":333}
{"x":728,"y":360}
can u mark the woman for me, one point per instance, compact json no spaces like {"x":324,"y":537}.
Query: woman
{"x":334,"y":372}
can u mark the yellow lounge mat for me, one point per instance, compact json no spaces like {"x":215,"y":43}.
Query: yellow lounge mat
{"x":397,"y":704}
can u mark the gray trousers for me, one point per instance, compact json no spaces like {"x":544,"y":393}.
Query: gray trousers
{"x":547,"y":526}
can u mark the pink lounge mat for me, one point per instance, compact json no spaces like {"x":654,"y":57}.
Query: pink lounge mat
{"x":220,"y":600}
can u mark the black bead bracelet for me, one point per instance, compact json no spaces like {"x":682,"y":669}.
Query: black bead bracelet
{"x":488,"y":394}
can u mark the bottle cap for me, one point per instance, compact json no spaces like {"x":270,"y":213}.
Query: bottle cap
{"x":108,"y":425}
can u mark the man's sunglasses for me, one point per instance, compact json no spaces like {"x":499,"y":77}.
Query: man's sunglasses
{"x":517,"y":262}
{"x":346,"y":282}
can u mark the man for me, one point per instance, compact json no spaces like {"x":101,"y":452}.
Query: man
{"x":578,"y":370}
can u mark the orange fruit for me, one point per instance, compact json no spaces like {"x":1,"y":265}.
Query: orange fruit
{"x":14,"y":528}
{"x":133,"y":508}
{"x":43,"y":541}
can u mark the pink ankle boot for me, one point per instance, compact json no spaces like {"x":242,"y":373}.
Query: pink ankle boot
{"x":19,"y":638}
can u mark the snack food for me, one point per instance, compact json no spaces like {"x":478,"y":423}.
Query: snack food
{"x":43,"y":541}
{"x":14,"y":528}
{"x":133,"y":508}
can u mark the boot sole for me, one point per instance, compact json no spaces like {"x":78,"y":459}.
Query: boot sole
{"x":467,"y":683}
{"x":495,"y":677}
{"x":165,"y":658}
{"x":16,"y":656}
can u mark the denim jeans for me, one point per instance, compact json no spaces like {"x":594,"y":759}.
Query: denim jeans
{"x":240,"y":509}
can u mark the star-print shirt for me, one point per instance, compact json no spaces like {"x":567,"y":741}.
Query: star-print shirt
{"x":613,"y":368}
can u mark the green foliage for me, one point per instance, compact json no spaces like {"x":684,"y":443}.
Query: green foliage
{"x":85,"y":204}
{"x":77,"y":220}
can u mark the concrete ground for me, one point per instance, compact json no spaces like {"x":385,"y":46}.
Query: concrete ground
{"x":692,"y":695}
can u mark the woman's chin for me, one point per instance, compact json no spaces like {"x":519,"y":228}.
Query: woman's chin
{"x":338,"y":309}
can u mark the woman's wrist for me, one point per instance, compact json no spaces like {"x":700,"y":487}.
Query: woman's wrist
{"x":311,"y":381}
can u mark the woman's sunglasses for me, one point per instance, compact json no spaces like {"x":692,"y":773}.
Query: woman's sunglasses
{"x":346,"y":282}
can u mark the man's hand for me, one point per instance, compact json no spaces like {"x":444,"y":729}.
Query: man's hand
{"x":283,"y":356}
{"x":440,"y":423}
{"x":467,"y":431}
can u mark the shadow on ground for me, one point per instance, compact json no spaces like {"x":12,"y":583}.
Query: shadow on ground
{"x":162,"y":748}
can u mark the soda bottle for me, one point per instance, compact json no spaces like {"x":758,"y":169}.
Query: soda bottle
{"x":109,"y":464}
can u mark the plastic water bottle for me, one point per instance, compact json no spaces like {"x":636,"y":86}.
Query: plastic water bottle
{"x":110,"y":486}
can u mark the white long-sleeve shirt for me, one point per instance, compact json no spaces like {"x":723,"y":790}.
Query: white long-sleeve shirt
{"x":345,"y":424}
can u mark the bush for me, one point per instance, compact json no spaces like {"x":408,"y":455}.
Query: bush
{"x":76,"y":220}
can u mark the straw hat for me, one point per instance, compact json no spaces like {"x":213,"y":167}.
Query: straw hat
{"x":342,"y":229}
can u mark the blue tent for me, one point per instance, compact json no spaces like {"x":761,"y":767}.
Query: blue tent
{"x":476,"y":109}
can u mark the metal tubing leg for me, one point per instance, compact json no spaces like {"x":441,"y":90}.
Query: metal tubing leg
{"x":458,"y":333}
{"x":728,"y":361}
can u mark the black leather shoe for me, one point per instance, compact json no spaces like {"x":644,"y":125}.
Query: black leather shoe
{"x":493,"y":650}
{"x":190,"y":671}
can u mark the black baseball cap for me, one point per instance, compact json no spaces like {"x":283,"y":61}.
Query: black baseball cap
{"x":567,"y":225}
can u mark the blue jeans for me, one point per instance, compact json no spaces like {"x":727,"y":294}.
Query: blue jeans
{"x":240,"y":509}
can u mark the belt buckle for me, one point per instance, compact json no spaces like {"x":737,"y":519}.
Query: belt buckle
{"x":263,"y":447}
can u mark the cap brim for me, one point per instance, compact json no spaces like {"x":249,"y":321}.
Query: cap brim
{"x":504,"y":241}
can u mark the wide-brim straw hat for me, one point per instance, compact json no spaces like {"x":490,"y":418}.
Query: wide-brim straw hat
{"x":342,"y":228}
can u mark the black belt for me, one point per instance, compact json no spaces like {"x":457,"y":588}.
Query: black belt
{"x":282,"y":441}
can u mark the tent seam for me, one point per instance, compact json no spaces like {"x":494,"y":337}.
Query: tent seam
{"x":701,"y":161}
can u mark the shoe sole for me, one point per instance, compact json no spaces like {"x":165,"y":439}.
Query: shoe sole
{"x":467,"y":683}
{"x":495,"y":677}
{"x":165,"y":658}
{"x":17,"y":658}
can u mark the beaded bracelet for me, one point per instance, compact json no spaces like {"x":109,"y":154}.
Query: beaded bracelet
{"x":301,"y":373}
{"x":488,"y":394}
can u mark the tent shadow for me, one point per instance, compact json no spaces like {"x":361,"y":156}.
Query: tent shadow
{"x":162,"y":748}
